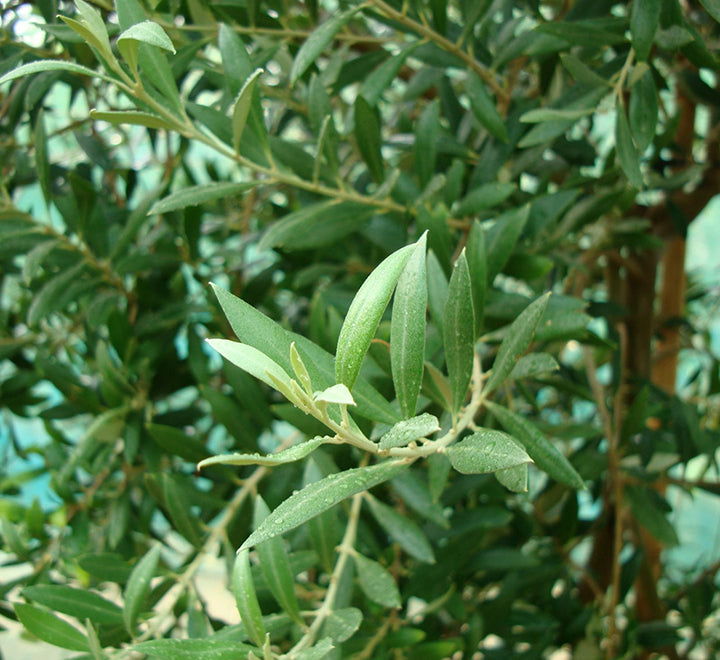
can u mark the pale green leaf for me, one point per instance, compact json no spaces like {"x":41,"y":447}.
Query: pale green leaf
{"x":201,"y":194}
{"x":53,"y":65}
{"x":241,"y":107}
{"x":485,"y":451}
{"x":320,"y":496}
{"x":289,"y":455}
{"x":342,"y":624}
{"x":149,"y":33}
{"x":193,"y":649}
{"x":339,"y":394}
{"x":134,"y":117}
{"x":516,"y":342}
{"x":408,"y":430}
{"x":246,"y":598}
{"x":540,"y":115}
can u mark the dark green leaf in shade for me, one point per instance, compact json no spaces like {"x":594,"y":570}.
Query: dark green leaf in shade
{"x":289,"y":455}
{"x":644,"y":19}
{"x":532,"y":365}
{"x":381,"y":78}
{"x":237,"y":65}
{"x":408,"y":430}
{"x":412,"y":487}
{"x":50,"y":628}
{"x":627,"y":153}
{"x":426,"y":141}
{"x":514,"y":478}
{"x":317,"y":42}
{"x":275,"y":566}
{"x":437,"y":288}
{"x":712,"y":7}
{"x":483,"y":197}
{"x":369,"y":138}
{"x":194,"y":649}
{"x":545,"y":454}
{"x":582,"y":72}
{"x":487,"y":450}
{"x":477,"y":266}
{"x":138,"y":586}
{"x":316,"y":225}
{"x":403,"y":531}
{"x":439,"y":469}
{"x":178,"y":503}
{"x":584,"y":34}
{"x":643,"y":111}
{"x":501,"y":238}
{"x":324,"y":530}
{"x":242,"y":106}
{"x":342,"y":624}
{"x":79,"y":603}
{"x":459,"y":332}
{"x":376,"y":582}
{"x":42,"y":165}
{"x":649,"y":509}
{"x":484,"y":108}
{"x":320,"y":496}
{"x":133,"y":117}
{"x":50,"y":298}
{"x":516,"y":342}
{"x":246,"y":599}
{"x":364,"y":314}
{"x":407,"y":330}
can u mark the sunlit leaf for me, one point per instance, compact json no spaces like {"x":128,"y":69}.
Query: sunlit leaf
{"x":487,"y":450}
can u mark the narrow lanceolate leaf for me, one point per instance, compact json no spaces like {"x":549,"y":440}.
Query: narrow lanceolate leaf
{"x":483,"y":197}
{"x":138,"y":586}
{"x":53,"y":65}
{"x":317,"y":42}
{"x":545,"y":454}
{"x":516,"y":342}
{"x":342,"y":624}
{"x":712,"y":7}
{"x":254,"y":362}
{"x":459,"y":332}
{"x":627,"y":153}
{"x":403,"y":531}
{"x":275,"y":566}
{"x":246,"y":598}
{"x":501,"y":238}
{"x":320,"y":496}
{"x":484,"y":108}
{"x":193,"y":649}
{"x":644,"y":18}
{"x":514,"y":478}
{"x":487,"y":450}
{"x":376,"y":582}
{"x":42,"y":164}
{"x":369,"y":138}
{"x":649,"y":509}
{"x":407,"y":330}
{"x":196,"y":195}
{"x":381,"y":78}
{"x":534,"y":364}
{"x":409,"y":430}
{"x":242,"y":106}
{"x":290,"y":455}
{"x":643,"y":111}
{"x":134,"y":117}
{"x":365,"y":313}
{"x":79,"y":603}
{"x":477,"y":266}
{"x":50,"y":628}
{"x":149,"y":33}
{"x":178,"y":506}
{"x":426,"y":139}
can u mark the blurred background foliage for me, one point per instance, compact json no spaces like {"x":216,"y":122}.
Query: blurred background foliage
{"x":582,"y":135}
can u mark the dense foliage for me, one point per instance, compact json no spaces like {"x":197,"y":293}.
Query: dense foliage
{"x":449,"y":237}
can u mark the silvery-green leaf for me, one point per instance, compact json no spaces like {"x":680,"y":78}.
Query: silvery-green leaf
{"x":534,"y":364}
{"x":342,"y":624}
{"x":289,"y":455}
{"x":138,"y":586}
{"x":514,"y":478}
{"x":336,"y":394}
{"x":404,"y":432}
{"x":485,"y":451}
{"x":376,"y":582}
{"x":246,"y":598}
{"x":149,"y":33}
{"x":241,"y":107}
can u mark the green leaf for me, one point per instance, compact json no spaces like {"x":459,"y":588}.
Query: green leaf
{"x":534,"y":364}
{"x":320,"y":651}
{"x":484,"y":108}
{"x":53,"y":65}
{"x":339,"y":394}
{"x":540,"y":115}
{"x":50,"y":298}
{"x":643,"y":111}
{"x":369,"y":138}
{"x":381,"y":78}
{"x":193,"y":649}
{"x":459,"y":332}
{"x":255,"y":363}
{"x":324,"y":530}
{"x":246,"y":598}
{"x":582,"y":72}
{"x":176,"y":442}
{"x":647,"y":508}
{"x":364,"y":314}
{"x":487,"y":450}
{"x":134,"y":117}
{"x":402,"y":531}
{"x":414,"y":490}
{"x":426,"y":140}
{"x":437,"y":288}
{"x":407,"y":330}
{"x":627,"y":154}
{"x":275,"y":566}
{"x":376,"y":582}
{"x":320,"y":496}
{"x":342,"y":624}
{"x":644,"y":19}
{"x":42,"y":164}
{"x":477,"y":266}
{"x":514,"y":478}
{"x":290,"y":455}
{"x":712,"y":7}
{"x":583,"y":34}
{"x":516,"y":342}
{"x":51,"y":629}
{"x":317,"y":42}
{"x":196,"y":195}
{"x":149,"y":33}
{"x":545,"y":454}
{"x":178,"y":505}
{"x":316,"y":225}
{"x":236,"y":62}
{"x":79,"y":603}
{"x":138,"y":586}
{"x":501,"y":238}
{"x":408,"y":430}
{"x":483,"y":197}
{"x":94,"y":22}
{"x":242,"y":106}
